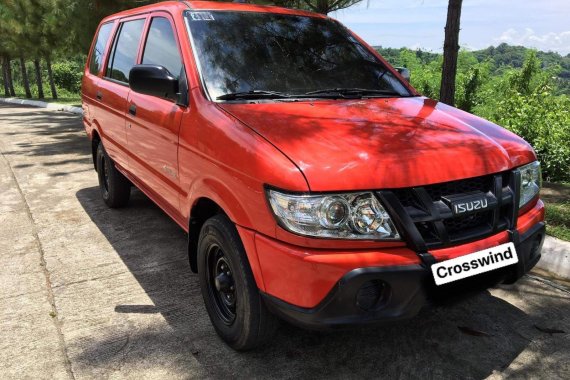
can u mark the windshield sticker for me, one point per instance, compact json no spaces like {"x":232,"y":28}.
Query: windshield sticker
{"x":201,"y":16}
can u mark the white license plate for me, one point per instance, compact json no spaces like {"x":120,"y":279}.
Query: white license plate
{"x":474,"y":263}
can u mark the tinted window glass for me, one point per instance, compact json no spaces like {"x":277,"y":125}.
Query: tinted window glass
{"x":124,"y":53}
{"x":244,"y":51}
{"x":161,"y":48}
{"x":99,"y":48}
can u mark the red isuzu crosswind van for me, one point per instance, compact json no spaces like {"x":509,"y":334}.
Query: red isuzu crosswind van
{"x":314,"y":182}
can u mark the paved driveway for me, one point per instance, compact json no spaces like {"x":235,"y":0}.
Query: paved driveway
{"x":88,"y":292}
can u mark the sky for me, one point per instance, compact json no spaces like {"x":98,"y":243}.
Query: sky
{"x":544,"y":25}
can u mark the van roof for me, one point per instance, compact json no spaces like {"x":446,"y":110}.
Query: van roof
{"x":177,"y":6}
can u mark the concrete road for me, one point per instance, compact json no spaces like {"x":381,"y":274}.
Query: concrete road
{"x":87,"y":292}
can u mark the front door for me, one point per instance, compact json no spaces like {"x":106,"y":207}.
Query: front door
{"x":153,"y":123}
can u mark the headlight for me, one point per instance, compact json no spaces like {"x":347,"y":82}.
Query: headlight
{"x":531,"y":181}
{"x":344,"y":216}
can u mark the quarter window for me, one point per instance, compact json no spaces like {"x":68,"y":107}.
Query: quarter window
{"x":124,"y":54}
{"x":161,"y":48}
{"x":99,"y":48}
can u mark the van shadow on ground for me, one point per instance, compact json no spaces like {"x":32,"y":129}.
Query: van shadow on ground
{"x":431,"y":345}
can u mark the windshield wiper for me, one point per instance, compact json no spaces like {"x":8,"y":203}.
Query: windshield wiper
{"x":331,"y":93}
{"x":253,"y":94}
{"x":354,"y":92}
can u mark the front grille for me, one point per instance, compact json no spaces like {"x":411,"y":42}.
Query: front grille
{"x":483,"y":184}
{"x":461,"y":223}
{"x":437,"y":191}
{"x":425,"y":215}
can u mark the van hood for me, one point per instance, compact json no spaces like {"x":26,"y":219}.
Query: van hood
{"x":382,"y":143}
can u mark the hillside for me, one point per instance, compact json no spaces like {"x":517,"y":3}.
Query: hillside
{"x":501,"y":58}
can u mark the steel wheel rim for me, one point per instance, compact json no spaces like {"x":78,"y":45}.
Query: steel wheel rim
{"x":221,"y":288}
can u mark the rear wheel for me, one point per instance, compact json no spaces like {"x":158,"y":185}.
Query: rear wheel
{"x":115,"y":187}
{"x":229,"y":290}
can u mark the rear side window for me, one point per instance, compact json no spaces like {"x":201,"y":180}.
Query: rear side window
{"x":161,"y":48}
{"x":99,"y":48}
{"x":124,"y":54}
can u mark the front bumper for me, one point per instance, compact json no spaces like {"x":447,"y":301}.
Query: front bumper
{"x":377,"y":294}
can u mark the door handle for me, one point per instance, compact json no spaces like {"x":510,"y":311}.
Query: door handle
{"x":133,"y":110}
{"x":99,"y":95}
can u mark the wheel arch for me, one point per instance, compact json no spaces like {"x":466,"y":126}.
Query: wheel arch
{"x":203,"y":209}
{"x":95,"y":140}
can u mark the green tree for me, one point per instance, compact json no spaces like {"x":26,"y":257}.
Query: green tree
{"x":49,"y":28}
{"x":34,"y":33}
{"x":14,"y":21}
{"x":425,"y":76}
{"x":319,"y":6}
{"x":523,"y":100}
{"x":83,"y":17}
{"x":6,"y":52}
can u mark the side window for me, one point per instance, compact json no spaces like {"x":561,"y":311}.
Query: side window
{"x":161,"y":48}
{"x":99,"y":48}
{"x":124,"y":54}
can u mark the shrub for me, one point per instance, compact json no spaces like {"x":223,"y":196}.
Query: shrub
{"x":67,"y":75}
{"x":544,"y":121}
{"x":425,"y":77}
{"x":523,"y":101}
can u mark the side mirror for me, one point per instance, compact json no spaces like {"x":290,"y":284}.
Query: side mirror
{"x":154,"y":80}
{"x":404,"y":73}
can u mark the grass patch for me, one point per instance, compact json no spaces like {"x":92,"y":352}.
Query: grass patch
{"x":64,"y":96}
{"x":558,"y":220}
{"x":67,"y":99}
{"x":556,"y":197}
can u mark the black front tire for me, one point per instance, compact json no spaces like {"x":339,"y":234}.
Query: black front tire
{"x":115,"y":187}
{"x":230,"y":293}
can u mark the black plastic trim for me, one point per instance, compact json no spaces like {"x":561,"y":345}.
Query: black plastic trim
{"x":339,"y":307}
{"x":403,"y":222}
{"x":430,"y":217}
{"x":410,"y":288}
{"x":406,"y":226}
{"x":434,"y":212}
{"x":514,"y":186}
{"x":498,"y":192}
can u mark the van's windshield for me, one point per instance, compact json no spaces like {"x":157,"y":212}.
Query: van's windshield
{"x":265,"y":55}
